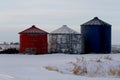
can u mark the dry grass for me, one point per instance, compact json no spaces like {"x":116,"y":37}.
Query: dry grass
{"x":50,"y":68}
{"x":118,"y":72}
{"x":73,"y":63}
{"x":102,"y":58}
{"x":108,"y":57}
{"x":79,"y":67}
{"x":114,"y":72}
{"x":97,"y":59}
{"x":78,"y":70}
{"x":80,"y":59}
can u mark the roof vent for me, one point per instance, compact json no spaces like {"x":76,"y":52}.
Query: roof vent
{"x":64,"y":25}
{"x":33,"y":25}
{"x":95,"y":17}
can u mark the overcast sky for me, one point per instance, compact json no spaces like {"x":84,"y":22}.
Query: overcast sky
{"x":17,"y":15}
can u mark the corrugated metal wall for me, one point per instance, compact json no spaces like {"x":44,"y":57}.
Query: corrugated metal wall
{"x":96,"y":38}
{"x":33,"y":44}
{"x":65,"y":43}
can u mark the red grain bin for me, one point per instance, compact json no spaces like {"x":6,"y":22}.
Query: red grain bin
{"x":33,"y":41}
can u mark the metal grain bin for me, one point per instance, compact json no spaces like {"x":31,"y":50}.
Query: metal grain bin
{"x":96,"y":36}
{"x":33,"y":41}
{"x":64,"y":40}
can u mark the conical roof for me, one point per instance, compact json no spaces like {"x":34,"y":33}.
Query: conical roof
{"x":96,"y":21}
{"x":64,"y":30}
{"x":33,"y":30}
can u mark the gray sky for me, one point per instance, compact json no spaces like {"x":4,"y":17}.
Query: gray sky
{"x":17,"y":15}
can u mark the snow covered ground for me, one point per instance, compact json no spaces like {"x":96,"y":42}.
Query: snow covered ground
{"x":32,"y":67}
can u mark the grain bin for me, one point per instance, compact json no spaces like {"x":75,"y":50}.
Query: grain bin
{"x":64,"y":40}
{"x":33,"y":41}
{"x":96,"y":36}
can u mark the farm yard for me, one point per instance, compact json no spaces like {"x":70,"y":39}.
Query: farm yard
{"x":70,"y":61}
{"x":59,"y":40}
{"x":60,"y":67}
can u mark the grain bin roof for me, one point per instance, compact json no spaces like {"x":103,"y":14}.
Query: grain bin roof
{"x":64,"y":30}
{"x":33,"y":30}
{"x":96,"y":21}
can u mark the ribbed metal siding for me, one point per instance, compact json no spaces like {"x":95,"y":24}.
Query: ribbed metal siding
{"x":96,"y":38}
{"x":106,"y":39}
